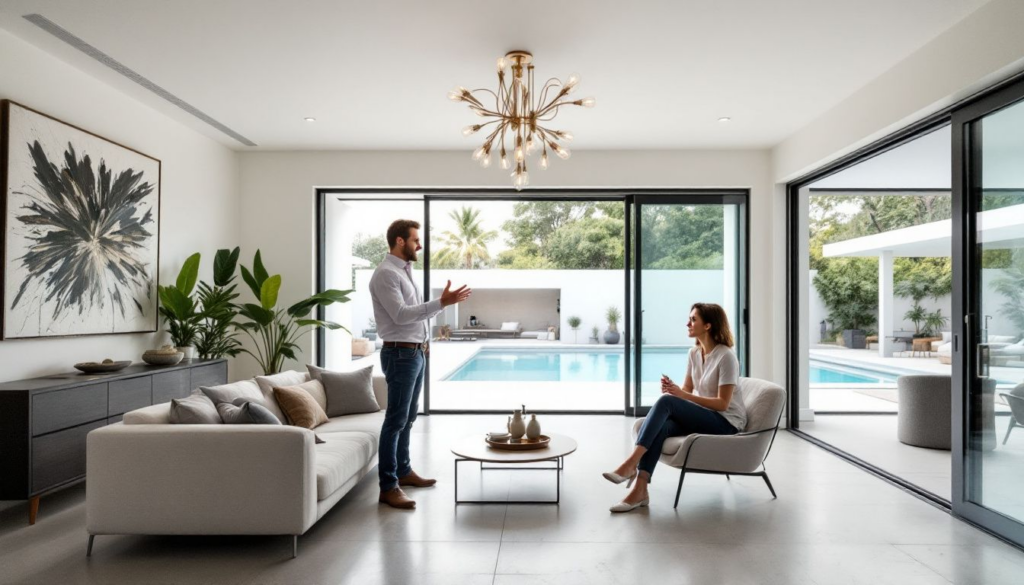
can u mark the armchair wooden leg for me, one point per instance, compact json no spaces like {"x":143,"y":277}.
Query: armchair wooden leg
{"x":1008,"y":429}
{"x":727,"y":477}
{"x":768,"y":482}
{"x":88,"y":550}
{"x":682,"y":474}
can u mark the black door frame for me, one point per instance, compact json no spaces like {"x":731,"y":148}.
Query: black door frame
{"x":967,"y":168}
{"x":741,"y":198}
{"x":626,"y":196}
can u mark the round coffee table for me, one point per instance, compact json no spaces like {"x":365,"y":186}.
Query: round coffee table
{"x":475,"y":448}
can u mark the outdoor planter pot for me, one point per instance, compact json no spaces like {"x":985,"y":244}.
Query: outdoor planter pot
{"x":854,"y":338}
{"x":611,"y":337}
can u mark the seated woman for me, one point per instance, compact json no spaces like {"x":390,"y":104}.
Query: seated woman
{"x":707,"y":403}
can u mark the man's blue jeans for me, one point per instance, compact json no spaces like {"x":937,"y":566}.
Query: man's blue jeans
{"x":403,"y":370}
{"x":672,"y":416}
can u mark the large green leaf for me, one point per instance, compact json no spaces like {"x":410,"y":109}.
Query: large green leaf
{"x":257,"y":313}
{"x":318,"y":323}
{"x":250,"y":281}
{"x":224,"y":264}
{"x":189,"y":274}
{"x":268,"y":292}
{"x":258,"y":270}
{"x":177,"y":303}
{"x":327,"y":297}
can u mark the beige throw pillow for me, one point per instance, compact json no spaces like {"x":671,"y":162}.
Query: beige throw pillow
{"x":299,"y":406}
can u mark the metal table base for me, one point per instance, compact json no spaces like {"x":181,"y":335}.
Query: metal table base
{"x":557,"y":468}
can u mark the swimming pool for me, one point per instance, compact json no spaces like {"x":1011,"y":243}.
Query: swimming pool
{"x":607,"y":365}
{"x":566,"y":365}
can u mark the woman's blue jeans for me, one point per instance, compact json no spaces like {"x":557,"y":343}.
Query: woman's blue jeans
{"x":672,"y":416}
{"x":403,"y":369}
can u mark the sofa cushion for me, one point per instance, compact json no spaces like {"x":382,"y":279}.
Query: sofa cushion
{"x":347,"y":392}
{"x":510,"y":326}
{"x":341,"y":457}
{"x":244,"y":412}
{"x":299,"y":406}
{"x":195,"y":409}
{"x":365,"y":423}
{"x":247,"y":389}
{"x":157,"y":414}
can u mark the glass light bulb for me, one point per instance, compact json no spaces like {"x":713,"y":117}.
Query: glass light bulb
{"x":485,"y":162}
{"x":478,"y":112}
{"x":470,"y":130}
{"x":525,"y":178}
{"x":505,"y":164}
{"x":530,"y":145}
{"x":562,"y":152}
{"x":502,"y":63}
{"x":458,"y":94}
{"x":519,"y":154}
{"x":588,"y":102}
{"x":565,"y":135}
{"x":572,"y":82}
{"x":544,"y":160}
{"x":479,"y":153}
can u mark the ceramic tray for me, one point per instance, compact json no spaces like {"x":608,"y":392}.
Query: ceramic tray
{"x":97,"y":367}
{"x":522,"y":445}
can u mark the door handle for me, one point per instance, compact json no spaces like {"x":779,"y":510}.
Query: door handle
{"x":984,"y":355}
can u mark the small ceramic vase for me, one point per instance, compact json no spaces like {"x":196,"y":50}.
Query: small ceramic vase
{"x":533,"y":429}
{"x":516,"y":426}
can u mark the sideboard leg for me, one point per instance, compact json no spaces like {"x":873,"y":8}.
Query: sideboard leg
{"x":33,"y":510}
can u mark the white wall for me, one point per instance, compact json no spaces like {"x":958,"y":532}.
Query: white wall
{"x":199,"y":190}
{"x":278,"y":208}
{"x":982,"y":49}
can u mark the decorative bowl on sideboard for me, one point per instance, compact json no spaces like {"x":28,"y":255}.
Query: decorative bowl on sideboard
{"x":102,"y":367}
{"x":165,"y":356}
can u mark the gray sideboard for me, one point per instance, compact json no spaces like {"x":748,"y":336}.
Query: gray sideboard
{"x":44,"y":421}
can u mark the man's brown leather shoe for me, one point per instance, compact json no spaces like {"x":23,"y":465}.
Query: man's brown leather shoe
{"x":413,"y":480}
{"x":396,"y":498}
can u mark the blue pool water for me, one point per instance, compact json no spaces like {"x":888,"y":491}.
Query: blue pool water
{"x":596,"y":365}
{"x":544,"y":365}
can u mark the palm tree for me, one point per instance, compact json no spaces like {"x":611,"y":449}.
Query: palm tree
{"x":468,"y":243}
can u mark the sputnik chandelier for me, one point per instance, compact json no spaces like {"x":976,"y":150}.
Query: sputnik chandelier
{"x":519,"y":116}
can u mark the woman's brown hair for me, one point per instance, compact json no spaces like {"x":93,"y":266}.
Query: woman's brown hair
{"x":714,"y":315}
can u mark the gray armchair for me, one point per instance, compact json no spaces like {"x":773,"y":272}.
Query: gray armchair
{"x":740,"y":454}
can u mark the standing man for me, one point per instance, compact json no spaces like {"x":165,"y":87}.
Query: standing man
{"x":401,"y":317}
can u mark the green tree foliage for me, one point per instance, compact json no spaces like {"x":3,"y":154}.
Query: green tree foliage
{"x":592,"y":243}
{"x":466,"y":247}
{"x":838,"y":217}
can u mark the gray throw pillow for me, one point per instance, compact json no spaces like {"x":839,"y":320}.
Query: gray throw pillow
{"x":246,"y":412}
{"x":196,"y":409}
{"x":248,"y":390}
{"x":348,"y":392}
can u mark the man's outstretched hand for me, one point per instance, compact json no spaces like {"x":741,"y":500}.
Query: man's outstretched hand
{"x":451,"y":297}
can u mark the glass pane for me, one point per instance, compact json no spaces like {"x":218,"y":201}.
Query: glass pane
{"x":689,"y":254}
{"x":995,"y":405}
{"x":544,"y":275}
{"x":355,"y":243}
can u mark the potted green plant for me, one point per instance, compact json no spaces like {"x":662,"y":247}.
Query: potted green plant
{"x":179,"y":308}
{"x":574,"y":323}
{"x":934,"y":322}
{"x":611,"y":337}
{"x":274,"y":331}
{"x":593,"y":335}
{"x":216,"y":333}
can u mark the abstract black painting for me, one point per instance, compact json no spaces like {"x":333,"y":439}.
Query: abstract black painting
{"x":81,"y":227}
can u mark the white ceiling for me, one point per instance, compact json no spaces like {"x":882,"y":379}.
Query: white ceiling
{"x":375,"y":74}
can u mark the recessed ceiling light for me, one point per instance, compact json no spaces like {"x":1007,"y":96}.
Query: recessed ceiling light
{"x":310,"y":119}
{"x":724,"y":119}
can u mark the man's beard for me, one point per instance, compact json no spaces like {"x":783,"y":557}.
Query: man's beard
{"x":410,"y":254}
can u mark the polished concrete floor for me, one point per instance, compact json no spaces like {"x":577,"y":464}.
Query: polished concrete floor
{"x":832,"y":523}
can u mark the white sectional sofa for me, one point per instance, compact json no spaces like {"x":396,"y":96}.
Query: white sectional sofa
{"x":147,"y":476}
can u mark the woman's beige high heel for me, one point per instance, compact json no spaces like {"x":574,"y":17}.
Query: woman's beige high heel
{"x":617,"y":479}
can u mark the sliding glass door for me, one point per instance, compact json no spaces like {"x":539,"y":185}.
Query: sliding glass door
{"x":988,"y":359}
{"x":688,"y":249}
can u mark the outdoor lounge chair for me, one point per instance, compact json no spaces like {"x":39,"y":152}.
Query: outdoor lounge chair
{"x":1015,"y":398}
{"x":740,"y":454}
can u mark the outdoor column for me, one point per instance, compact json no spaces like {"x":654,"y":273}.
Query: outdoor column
{"x":886,"y":300}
